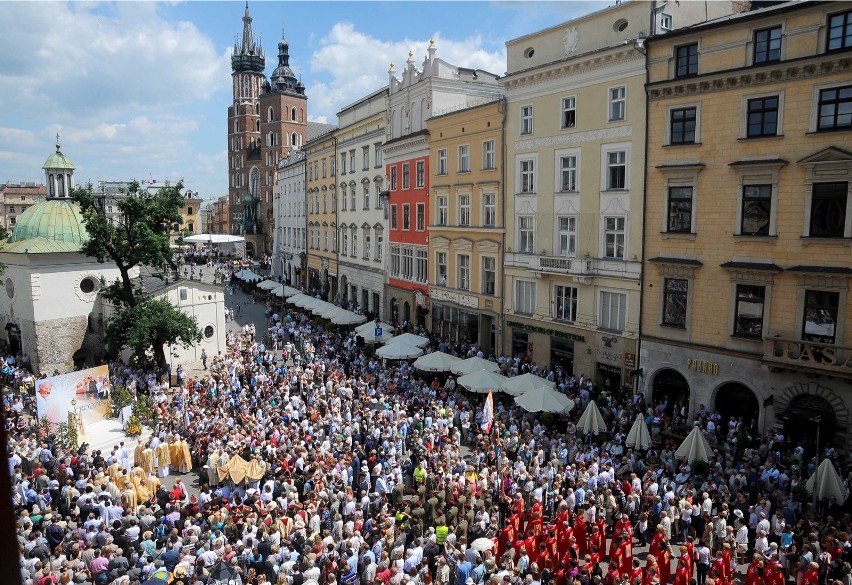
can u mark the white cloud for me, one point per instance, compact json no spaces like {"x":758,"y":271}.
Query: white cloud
{"x":357,"y":64}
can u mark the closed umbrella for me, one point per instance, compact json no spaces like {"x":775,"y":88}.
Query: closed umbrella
{"x":544,"y":400}
{"x":639,"y":436}
{"x":399,"y":351}
{"x":694,"y":446}
{"x":437,"y":361}
{"x":592,"y":420}
{"x":482,"y":381}
{"x":473,"y":364}
{"x":526,"y":383}
{"x":828,"y":482}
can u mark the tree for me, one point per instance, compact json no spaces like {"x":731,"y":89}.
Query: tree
{"x":139,"y":239}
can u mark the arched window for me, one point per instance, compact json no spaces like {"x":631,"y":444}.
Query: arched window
{"x":254,"y":181}
{"x":270,"y":115}
{"x":236,"y":126}
{"x":257,"y":109}
{"x":257,"y":126}
{"x":293,"y":115}
{"x":60,"y":183}
{"x":50,"y":184}
{"x":245,"y":87}
{"x":294,"y":140}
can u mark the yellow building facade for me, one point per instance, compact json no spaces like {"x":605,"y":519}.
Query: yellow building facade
{"x":748,"y":239}
{"x":466,"y":226}
{"x":320,"y":156}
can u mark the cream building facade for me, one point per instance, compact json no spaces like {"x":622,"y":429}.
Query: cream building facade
{"x":16,"y":198}
{"x":290,"y":219}
{"x":748,"y":240}
{"x":320,"y":155}
{"x":360,"y":213}
{"x":466,"y":225}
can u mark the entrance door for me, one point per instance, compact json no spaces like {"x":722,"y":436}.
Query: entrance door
{"x":520,"y":342}
{"x":406,"y":312}
{"x":608,"y":376}
{"x":735,"y":399}
{"x":807,"y":416}
{"x":377,"y":307}
{"x":671,"y":388}
{"x":562,"y":354}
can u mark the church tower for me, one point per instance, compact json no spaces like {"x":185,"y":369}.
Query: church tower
{"x":247,"y":67}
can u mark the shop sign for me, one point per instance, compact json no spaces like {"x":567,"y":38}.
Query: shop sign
{"x":609,"y":355}
{"x":546,"y":331}
{"x":440,"y":294}
{"x":630,"y":360}
{"x":703,"y":366}
{"x":609,"y":369}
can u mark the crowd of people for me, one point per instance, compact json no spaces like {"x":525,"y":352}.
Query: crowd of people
{"x":318,"y":464}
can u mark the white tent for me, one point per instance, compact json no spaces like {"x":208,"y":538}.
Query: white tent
{"x":475,"y":363}
{"x":213,"y":239}
{"x":592,"y":420}
{"x":638,"y":436}
{"x":437,"y":361}
{"x":828,"y":482}
{"x":694,"y":446}
{"x":544,"y":400}
{"x":526,"y":383}
{"x":398,"y":351}
{"x":482,"y":381}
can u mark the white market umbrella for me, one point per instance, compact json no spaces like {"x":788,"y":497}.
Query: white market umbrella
{"x":639,"y":436}
{"x":592,"y":420}
{"x":473,"y":364}
{"x":369,"y":335}
{"x":828,"y":482}
{"x":544,"y":400}
{"x":344,"y":317}
{"x":437,"y":361}
{"x":526,"y":383}
{"x":694,"y":446}
{"x":482,"y":544}
{"x":399,"y":351}
{"x":288,"y":291}
{"x":327,"y":311}
{"x":481,"y":381}
{"x":411,"y":339}
{"x":268,"y":285}
{"x":294,"y":300}
{"x":371,"y":327}
{"x":213,"y":239}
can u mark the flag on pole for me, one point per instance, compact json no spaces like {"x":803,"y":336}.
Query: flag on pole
{"x":488,"y":413}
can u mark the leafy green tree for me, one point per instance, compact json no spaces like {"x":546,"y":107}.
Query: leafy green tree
{"x":149,"y":326}
{"x":140,"y":238}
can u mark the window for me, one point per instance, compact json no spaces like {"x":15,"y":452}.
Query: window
{"x":613,"y":311}
{"x":820,"y":316}
{"x":687,"y":60}
{"x":393,"y":218}
{"x":683,"y":126}
{"x":665,"y":22}
{"x":420,"y":178}
{"x":408,"y":263}
{"x":569,"y":112}
{"x":380,"y":246}
{"x":344,"y":249}
{"x":464,"y":210}
{"x":443,"y":211}
{"x":835,"y":108}
{"x":568,"y":169}
{"x":526,"y":234}
{"x":617,"y":170}
{"x":406,"y":216}
{"x":757,"y":207}
{"x":421,"y":265}
{"x":441,"y":263}
{"x":421,"y":217}
{"x":524,"y":297}
{"x":489,"y":211}
{"x":343,"y":164}
{"x":365,"y":156}
{"x":352,"y":196}
{"x":762,"y":117}
{"x":464,"y":158}
{"x":565,"y":303}
{"x":526,"y":119}
{"x":393,"y":179}
{"x":442,"y":161}
{"x":617,"y":103}
{"x":325,"y":238}
{"x":395,"y":261}
{"x":464,"y":272}
{"x":488,"y":155}
{"x":527,"y":176}
{"x":333,"y":166}
{"x":839,"y":31}
{"x":406,"y":176}
{"x":614,"y":237}
{"x":367,"y":243}
{"x":489,"y":275}
{"x":567,"y":230}
{"x":748,"y":315}
{"x":352,"y":161}
{"x":366,"y":195}
{"x":767,"y":45}
{"x":674,"y":302}
{"x":828,"y":210}
{"x":345,"y":199}
{"x":680,"y":210}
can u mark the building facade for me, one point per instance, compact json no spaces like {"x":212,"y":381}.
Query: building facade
{"x":16,"y":198}
{"x":289,"y":257}
{"x":265,"y":120}
{"x":360,"y":215}
{"x":436,"y":88}
{"x":219,"y":216}
{"x":466,"y":225}
{"x":321,"y":199}
{"x":749,"y":223}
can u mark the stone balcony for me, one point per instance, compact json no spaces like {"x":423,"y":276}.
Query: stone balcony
{"x":581,"y":268}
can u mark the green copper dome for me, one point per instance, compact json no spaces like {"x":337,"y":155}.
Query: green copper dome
{"x":58,"y":161}
{"x":54,"y":219}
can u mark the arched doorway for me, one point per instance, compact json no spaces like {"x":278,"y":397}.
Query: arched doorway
{"x":807,"y":416}
{"x":670,"y":388}
{"x":394,"y":309}
{"x":344,"y":288}
{"x":81,"y":359}
{"x":406,"y":312}
{"x":249,"y":249}
{"x":737,"y":400}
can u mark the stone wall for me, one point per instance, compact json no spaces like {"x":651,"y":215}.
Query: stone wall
{"x":56,"y":342}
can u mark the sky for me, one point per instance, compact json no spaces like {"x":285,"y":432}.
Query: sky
{"x":140,"y":90}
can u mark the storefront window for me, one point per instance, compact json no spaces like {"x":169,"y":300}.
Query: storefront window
{"x":468,"y":327}
{"x":608,"y":376}
{"x":562,"y":354}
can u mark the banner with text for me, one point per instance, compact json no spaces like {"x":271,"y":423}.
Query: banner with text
{"x":85,"y":393}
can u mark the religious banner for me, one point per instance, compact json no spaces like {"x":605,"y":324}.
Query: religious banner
{"x":84,"y":393}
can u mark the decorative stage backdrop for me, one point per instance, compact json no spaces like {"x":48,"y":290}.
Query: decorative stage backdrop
{"x":84,"y":393}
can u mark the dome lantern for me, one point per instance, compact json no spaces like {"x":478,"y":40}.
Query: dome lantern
{"x":58,"y":174}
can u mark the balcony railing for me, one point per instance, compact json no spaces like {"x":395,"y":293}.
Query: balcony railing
{"x":797,"y":354}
